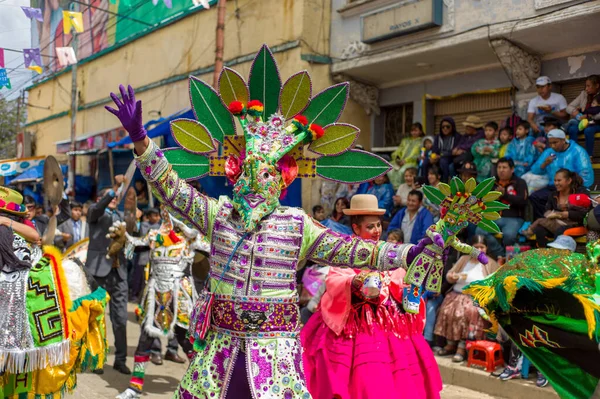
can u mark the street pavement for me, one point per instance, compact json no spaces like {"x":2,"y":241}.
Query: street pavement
{"x":161,"y":381}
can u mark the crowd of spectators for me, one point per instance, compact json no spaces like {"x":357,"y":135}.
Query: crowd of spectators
{"x":541,"y":171}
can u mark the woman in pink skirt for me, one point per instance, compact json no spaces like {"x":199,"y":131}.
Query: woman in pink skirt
{"x":360,"y":344}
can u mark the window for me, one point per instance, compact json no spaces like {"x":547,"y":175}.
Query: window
{"x":397,"y":122}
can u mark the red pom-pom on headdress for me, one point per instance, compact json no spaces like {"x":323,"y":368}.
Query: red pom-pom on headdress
{"x":301,"y":119}
{"x":255,"y":105}
{"x":236,"y":107}
{"x":316,"y":131}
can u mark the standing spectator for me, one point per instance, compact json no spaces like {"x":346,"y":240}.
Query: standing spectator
{"x":578,"y":106}
{"x":505,"y":137}
{"x":546,"y":103}
{"x":383,"y":190}
{"x":462,"y":149}
{"x":521,"y":149}
{"x":410,"y":183}
{"x":101,"y":217}
{"x":514,"y":194}
{"x":562,"y":154}
{"x":485,"y":150}
{"x":142,"y":256}
{"x":458,"y":318}
{"x":40,"y":221}
{"x":443,"y":145}
{"x":73,"y":230}
{"x":560,"y":215}
{"x":406,"y":155}
{"x":412,"y":220}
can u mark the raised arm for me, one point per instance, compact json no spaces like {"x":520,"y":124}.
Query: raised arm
{"x":96,"y":210}
{"x":182,"y":200}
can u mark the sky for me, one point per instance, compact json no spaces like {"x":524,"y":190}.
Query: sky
{"x":15,"y":33}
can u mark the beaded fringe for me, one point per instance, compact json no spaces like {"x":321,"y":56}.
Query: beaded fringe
{"x":28,"y":360}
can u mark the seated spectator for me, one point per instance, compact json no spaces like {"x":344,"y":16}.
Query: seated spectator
{"x":514,"y":194}
{"x":383,"y":190}
{"x":546,"y":103}
{"x":426,"y":154}
{"x":462,"y":149}
{"x":406,"y":155}
{"x":577,"y":109}
{"x":412,"y":220}
{"x":562,"y":154}
{"x":318,"y":213}
{"x":433,"y":179}
{"x":443,"y":146}
{"x":560,"y":215}
{"x":521,"y":149}
{"x":410,"y":183}
{"x":467,"y":171}
{"x":395,"y":237}
{"x":337,"y":215}
{"x":485,"y":150}
{"x":505,"y":137}
{"x":458,"y":318}
{"x":549,"y":123}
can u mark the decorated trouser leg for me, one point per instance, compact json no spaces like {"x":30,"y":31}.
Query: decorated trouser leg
{"x":142,"y":356}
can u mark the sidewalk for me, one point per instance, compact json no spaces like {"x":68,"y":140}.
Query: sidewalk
{"x":459,"y":374}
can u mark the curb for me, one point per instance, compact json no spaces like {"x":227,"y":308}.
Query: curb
{"x":476,"y":379}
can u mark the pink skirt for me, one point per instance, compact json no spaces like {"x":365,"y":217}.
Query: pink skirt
{"x":371,"y":364}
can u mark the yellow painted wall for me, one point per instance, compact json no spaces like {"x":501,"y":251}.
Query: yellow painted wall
{"x":180,"y":48}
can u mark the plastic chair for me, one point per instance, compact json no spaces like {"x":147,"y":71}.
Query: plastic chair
{"x":486,"y":354}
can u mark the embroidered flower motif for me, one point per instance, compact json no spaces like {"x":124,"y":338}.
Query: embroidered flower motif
{"x":159,"y":153}
{"x":287,"y":140}
{"x":265,"y":147}
{"x":263,"y":130}
{"x":148,"y":170}
{"x":276,"y":120}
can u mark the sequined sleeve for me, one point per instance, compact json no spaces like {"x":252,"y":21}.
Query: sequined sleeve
{"x":138,"y":241}
{"x":182,"y":200}
{"x":325,"y":247}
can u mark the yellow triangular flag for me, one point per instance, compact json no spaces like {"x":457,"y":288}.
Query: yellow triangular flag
{"x":72,"y":19}
{"x":36,"y":68}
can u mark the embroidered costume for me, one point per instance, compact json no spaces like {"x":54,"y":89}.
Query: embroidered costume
{"x":51,"y":324}
{"x":246,"y":328}
{"x":548,"y":302}
{"x":169,"y":295}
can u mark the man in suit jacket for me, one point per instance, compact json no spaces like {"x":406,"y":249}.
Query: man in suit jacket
{"x":100,"y":218}
{"x":73,"y":230}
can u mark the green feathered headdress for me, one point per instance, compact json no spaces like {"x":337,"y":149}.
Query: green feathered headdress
{"x":476,"y":203}
{"x":276,"y":120}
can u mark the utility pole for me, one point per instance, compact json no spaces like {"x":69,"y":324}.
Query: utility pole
{"x":74,"y":104}
{"x":220,"y":41}
{"x":18,"y":121}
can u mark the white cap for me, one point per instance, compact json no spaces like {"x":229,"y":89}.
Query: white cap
{"x":564,"y":242}
{"x":543,"y":81}
{"x":557,"y":134}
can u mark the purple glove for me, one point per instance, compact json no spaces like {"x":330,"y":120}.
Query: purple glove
{"x":129,"y":113}
{"x":438,"y":240}
{"x":482,"y":257}
{"x":417,"y":249}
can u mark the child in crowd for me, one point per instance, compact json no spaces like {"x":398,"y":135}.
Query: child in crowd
{"x":395,"y":236}
{"x":505,"y":137}
{"x":485,"y":150}
{"x":521,"y":150}
{"x":318,"y":213}
{"x":406,"y":155}
{"x":426,"y":154}
{"x":410,"y":183}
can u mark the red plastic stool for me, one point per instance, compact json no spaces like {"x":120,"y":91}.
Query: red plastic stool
{"x":486,"y":354}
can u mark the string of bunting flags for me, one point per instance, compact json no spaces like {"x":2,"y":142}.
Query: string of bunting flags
{"x":72,"y":20}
